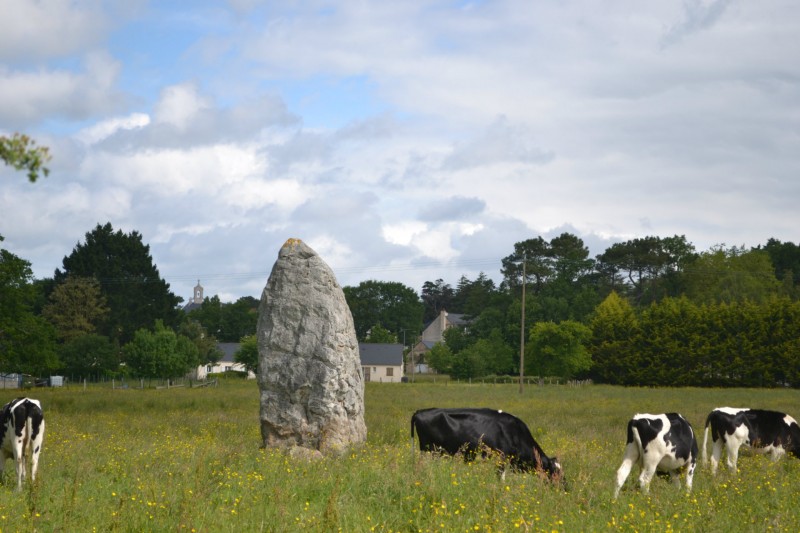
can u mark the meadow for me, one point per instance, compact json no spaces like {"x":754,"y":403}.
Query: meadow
{"x":189,"y":460}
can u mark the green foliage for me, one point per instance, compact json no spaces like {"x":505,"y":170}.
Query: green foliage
{"x":134,"y":291}
{"x":89,"y":355}
{"x":75,"y":307}
{"x":677,"y":342}
{"x":27,"y":341}
{"x":647,"y":268}
{"x":160,"y":354}
{"x":228,"y":322}
{"x":488,"y":356}
{"x":390,"y":304}
{"x":207,"y":351}
{"x":248,"y":353}
{"x":731,"y":275}
{"x":785,"y":258}
{"x":613,"y":325}
{"x":437,"y":297}
{"x":558,"y":349}
{"x":440,"y":358}
{"x":21,"y":152}
{"x":380,"y":335}
{"x":457,"y":339}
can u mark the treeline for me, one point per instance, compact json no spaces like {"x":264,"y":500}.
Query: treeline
{"x":108,"y":313}
{"x":722,"y":317}
{"x":647,"y":311}
{"x":679,"y":342}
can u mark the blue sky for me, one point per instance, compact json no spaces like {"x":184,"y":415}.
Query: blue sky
{"x":403,"y":141}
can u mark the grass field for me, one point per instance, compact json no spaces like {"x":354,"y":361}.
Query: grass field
{"x":189,"y":460}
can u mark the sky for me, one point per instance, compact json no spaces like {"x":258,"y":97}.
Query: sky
{"x":403,"y":141}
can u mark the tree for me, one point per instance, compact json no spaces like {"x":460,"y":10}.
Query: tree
{"x":75,"y":307}
{"x":473,"y":297}
{"x":160,"y":353}
{"x":614,"y":327}
{"x":440,"y":358}
{"x":248,"y":353}
{"x":731,"y":275}
{"x":89,"y":355}
{"x":495,"y":355}
{"x":21,"y":152}
{"x":129,"y":280}
{"x":380,"y":335}
{"x":392,"y":305}
{"x":647,"y":267}
{"x":207,"y":351}
{"x":559,"y":349}
{"x":27,"y":341}
{"x":436,"y":296}
{"x":785,"y":258}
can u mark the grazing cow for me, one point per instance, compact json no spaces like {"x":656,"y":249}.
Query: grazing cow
{"x":472,"y":430}
{"x":764,"y":431}
{"x":21,"y":434}
{"x":665,"y":442}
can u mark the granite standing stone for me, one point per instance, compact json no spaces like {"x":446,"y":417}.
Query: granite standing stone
{"x":310,"y":377}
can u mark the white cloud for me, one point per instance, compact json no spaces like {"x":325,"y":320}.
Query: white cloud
{"x":391,"y":134}
{"x":179,"y":104}
{"x":102,"y":130}
{"x":50,"y":28}
{"x":30,"y":96}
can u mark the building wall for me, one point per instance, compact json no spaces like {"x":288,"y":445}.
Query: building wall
{"x":383,"y":373}
{"x":204,"y":370}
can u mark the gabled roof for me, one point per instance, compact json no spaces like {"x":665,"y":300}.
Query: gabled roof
{"x":381,"y":354}
{"x":458,"y":319}
{"x":228,"y":350}
{"x":191,"y":306}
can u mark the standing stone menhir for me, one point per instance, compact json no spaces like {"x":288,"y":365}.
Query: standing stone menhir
{"x":312,"y":388}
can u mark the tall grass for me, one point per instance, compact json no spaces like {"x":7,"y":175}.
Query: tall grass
{"x":189,"y":460}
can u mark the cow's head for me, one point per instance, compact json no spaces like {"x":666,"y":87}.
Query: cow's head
{"x":554,"y":471}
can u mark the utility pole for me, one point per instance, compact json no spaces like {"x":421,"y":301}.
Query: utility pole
{"x":522,"y":331}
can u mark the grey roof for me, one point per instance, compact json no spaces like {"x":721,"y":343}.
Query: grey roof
{"x":458,"y":319}
{"x":191,"y":306}
{"x":381,"y":354}
{"x":228,"y":349}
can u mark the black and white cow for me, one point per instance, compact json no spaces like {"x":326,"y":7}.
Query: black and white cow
{"x":21,"y":435}
{"x":764,"y":431}
{"x":470,"y":431}
{"x":664,"y":442}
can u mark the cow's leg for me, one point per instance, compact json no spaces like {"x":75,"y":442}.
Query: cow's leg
{"x":649,"y":465}
{"x":36,"y":449}
{"x":19,"y":460}
{"x":4,"y":455}
{"x":690,"y":476}
{"x":716,"y":454}
{"x":675,"y":477}
{"x":631,"y":456}
{"x":732,"y":445}
{"x":777,"y":452}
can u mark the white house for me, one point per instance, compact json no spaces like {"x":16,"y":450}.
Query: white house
{"x":381,"y":362}
{"x":225,"y":364}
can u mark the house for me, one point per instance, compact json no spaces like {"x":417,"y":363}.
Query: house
{"x":381,"y":362}
{"x":432,"y":334}
{"x":226,"y":363}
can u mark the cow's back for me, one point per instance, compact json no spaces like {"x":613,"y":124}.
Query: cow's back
{"x":773,"y":428}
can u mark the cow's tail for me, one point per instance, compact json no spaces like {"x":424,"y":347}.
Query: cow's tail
{"x":413,"y":422}
{"x":703,"y":454}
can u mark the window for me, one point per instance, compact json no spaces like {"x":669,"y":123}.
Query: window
{"x":389,"y":372}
